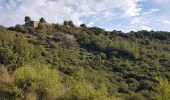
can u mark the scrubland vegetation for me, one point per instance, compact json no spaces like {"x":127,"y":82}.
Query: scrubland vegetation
{"x":67,"y":62}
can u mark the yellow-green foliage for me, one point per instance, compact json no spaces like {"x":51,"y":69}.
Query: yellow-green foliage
{"x":37,"y":78}
{"x":94,"y":64}
{"x":130,"y":47}
{"x":135,"y":96}
{"x":15,"y":50}
{"x":83,"y":91}
{"x":6,"y":38}
{"x":163,"y":90}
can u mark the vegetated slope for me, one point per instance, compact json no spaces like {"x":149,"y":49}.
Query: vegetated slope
{"x":79,"y":63}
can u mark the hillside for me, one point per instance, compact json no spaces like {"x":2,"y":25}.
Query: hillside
{"x":67,"y":62}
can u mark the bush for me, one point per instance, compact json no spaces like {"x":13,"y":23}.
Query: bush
{"x":15,"y":50}
{"x":135,"y":96}
{"x":83,"y":91}
{"x":41,"y":80}
{"x":163,"y":90}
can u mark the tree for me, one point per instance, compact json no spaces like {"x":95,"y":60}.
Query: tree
{"x":42,"y":28}
{"x":42,"y":20}
{"x":65,"y":23}
{"x":27,"y":19}
{"x":83,"y":25}
{"x":70,"y":23}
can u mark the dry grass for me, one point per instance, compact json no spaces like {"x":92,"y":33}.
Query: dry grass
{"x":6,"y":79}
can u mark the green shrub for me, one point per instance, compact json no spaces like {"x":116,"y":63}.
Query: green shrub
{"x":83,"y":91}
{"x":135,"y":96}
{"x":15,"y":50}
{"x":13,"y":93}
{"x":163,"y":90}
{"x":41,"y":80}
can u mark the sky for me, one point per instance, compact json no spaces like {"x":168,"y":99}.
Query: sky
{"x":124,"y":15}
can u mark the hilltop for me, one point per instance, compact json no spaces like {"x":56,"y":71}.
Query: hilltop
{"x":69,"y":62}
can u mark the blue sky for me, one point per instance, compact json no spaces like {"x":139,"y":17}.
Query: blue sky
{"x":125,"y":15}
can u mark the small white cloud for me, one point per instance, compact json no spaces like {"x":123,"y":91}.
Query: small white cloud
{"x":166,"y":22}
{"x":146,"y":28}
{"x":136,"y":20}
{"x":108,"y":14}
{"x":132,"y":9}
{"x":90,"y":24}
{"x":145,"y":17}
{"x":151,"y":11}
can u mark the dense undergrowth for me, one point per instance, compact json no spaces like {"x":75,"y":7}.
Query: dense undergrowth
{"x":66,"y":62}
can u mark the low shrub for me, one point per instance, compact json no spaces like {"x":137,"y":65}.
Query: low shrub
{"x":41,"y":80}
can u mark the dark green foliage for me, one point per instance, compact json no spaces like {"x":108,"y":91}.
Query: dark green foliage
{"x":104,"y":44}
{"x":15,"y":49}
{"x":27,"y":19}
{"x":42,"y":20}
{"x":93,"y":64}
{"x":23,"y":29}
{"x":83,"y":25}
{"x":161,"y":35}
{"x":69,"y":23}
